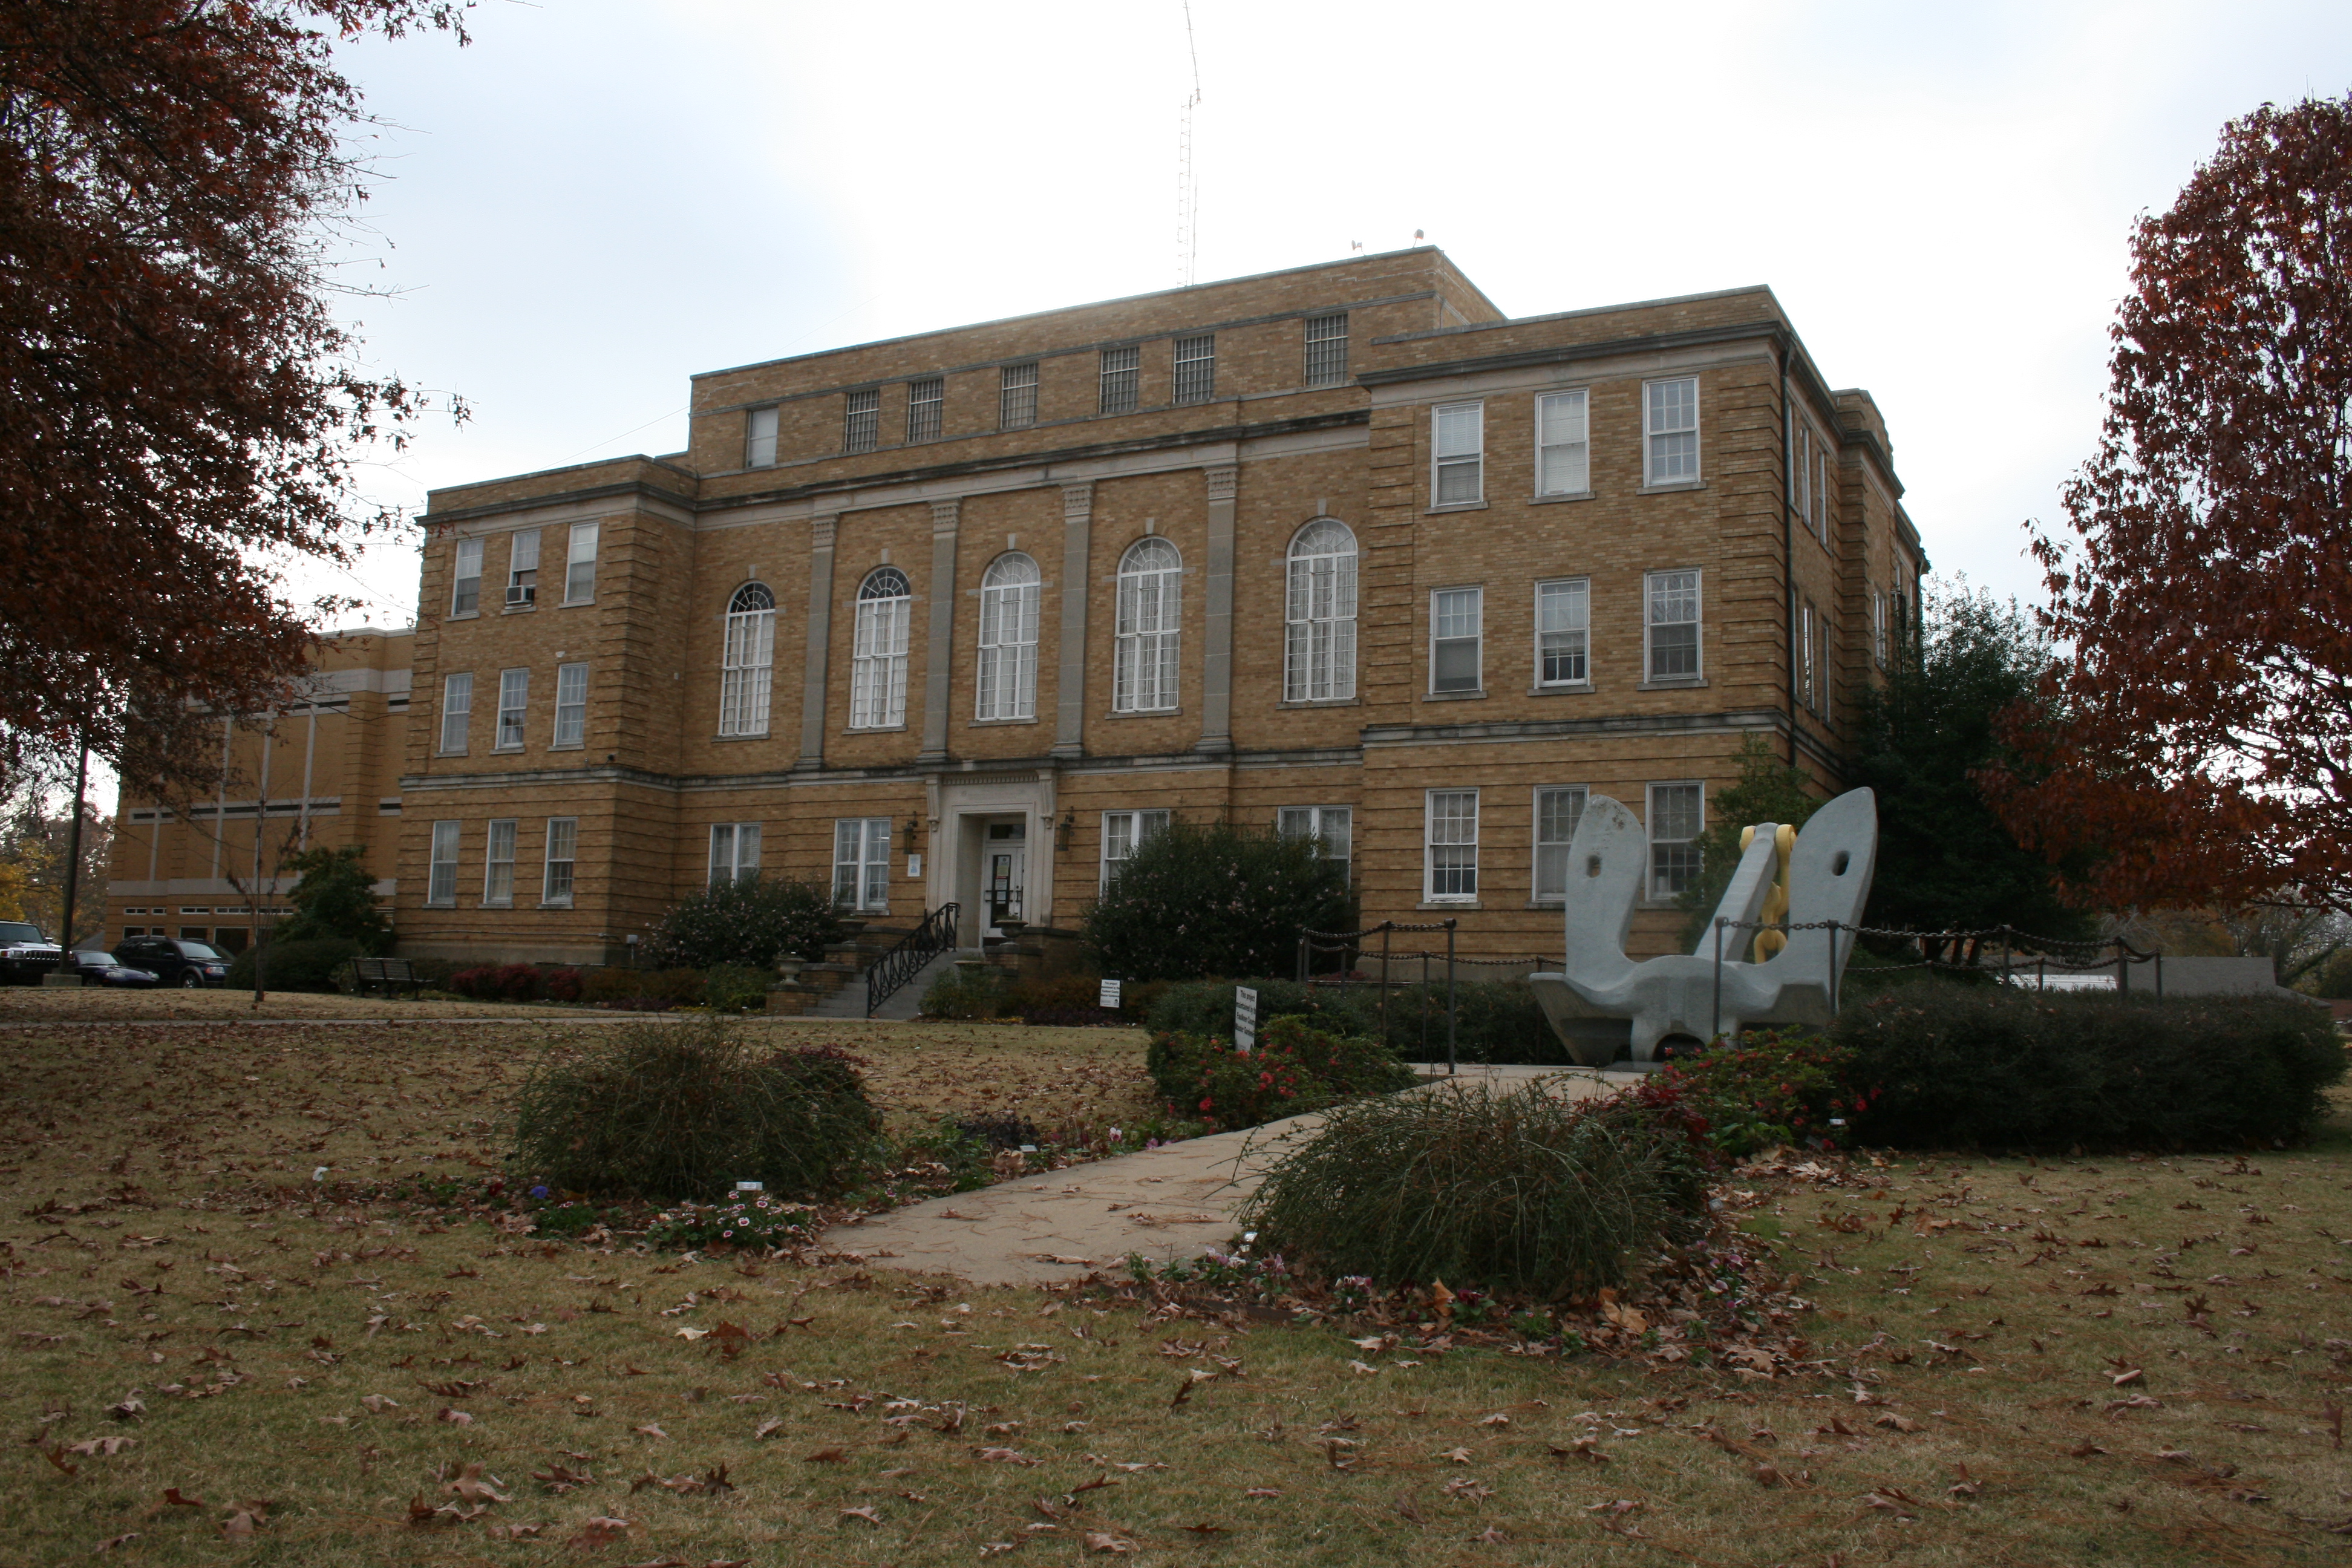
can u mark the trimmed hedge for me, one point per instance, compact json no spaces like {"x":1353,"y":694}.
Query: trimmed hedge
{"x":1957,"y":1066}
{"x":1495,"y":1020}
{"x":1294,"y":1068}
{"x":295,"y":965}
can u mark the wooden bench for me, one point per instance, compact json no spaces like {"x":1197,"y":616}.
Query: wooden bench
{"x":389,"y":974}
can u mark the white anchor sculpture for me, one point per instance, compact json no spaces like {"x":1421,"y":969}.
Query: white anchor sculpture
{"x":1822,"y":874}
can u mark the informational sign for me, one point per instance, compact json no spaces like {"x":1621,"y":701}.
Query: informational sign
{"x":1109,"y":993}
{"x":1245,"y":1019}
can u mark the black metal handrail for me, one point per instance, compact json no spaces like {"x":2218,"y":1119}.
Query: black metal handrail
{"x":907,"y":957}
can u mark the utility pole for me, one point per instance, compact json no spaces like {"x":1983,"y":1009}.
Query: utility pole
{"x":73,"y":855}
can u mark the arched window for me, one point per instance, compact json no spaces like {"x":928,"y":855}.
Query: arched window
{"x":1319,"y":660}
{"x":749,"y":662}
{"x":1008,"y":638}
{"x":1150,"y":611}
{"x":878,"y":668}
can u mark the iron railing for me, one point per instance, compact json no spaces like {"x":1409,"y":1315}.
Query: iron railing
{"x":907,"y":957}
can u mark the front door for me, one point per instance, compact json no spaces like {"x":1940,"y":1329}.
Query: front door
{"x":1002,"y":864}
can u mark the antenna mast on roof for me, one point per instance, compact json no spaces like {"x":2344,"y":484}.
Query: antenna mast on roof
{"x":1188,"y":195}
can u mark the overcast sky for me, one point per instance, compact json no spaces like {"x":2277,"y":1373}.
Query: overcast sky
{"x":600,"y":197}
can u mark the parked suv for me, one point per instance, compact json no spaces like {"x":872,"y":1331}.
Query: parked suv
{"x":25,"y":954}
{"x":175,"y":961}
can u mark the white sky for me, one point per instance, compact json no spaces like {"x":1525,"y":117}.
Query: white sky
{"x":600,"y":197}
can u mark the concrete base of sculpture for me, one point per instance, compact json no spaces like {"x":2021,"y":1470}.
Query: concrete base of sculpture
{"x":1602,"y":1003}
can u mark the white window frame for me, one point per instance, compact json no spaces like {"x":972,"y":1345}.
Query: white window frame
{"x":1656,"y":429}
{"x":571,"y":708}
{"x":1573,"y":453}
{"x":1653,"y":586}
{"x":1878,"y":628}
{"x":927,"y":402}
{"x":1119,"y":385}
{"x":1568,"y":599}
{"x":861,"y":420}
{"x":878,"y":662}
{"x":861,"y":864}
{"x":1443,"y":829}
{"x":734,"y":853}
{"x":1327,"y":367}
{"x":498,"y":863}
{"x":579,"y":563}
{"x":1123,"y":832}
{"x":1454,"y":458}
{"x":441,"y":870}
{"x":760,"y":438}
{"x":456,"y":711}
{"x":1017,"y":396}
{"x":514,"y":709}
{"x":522,"y":568}
{"x":561,"y":862}
{"x":1147,"y":627}
{"x":465,"y":578}
{"x":1548,"y":870}
{"x":1333,"y":828}
{"x":1318,"y":655}
{"x":1192,"y":384}
{"x":1006,"y":683}
{"x":1805,"y":676}
{"x":747,"y":660}
{"x":1445,"y":611}
{"x":1653,"y":881}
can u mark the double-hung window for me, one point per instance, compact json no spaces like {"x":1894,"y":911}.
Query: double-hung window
{"x":1558,"y":811}
{"x":1453,"y":634}
{"x":1008,"y":638}
{"x":1671,"y":624}
{"x":1806,"y":673}
{"x":457,"y":713}
{"x":1563,"y":444}
{"x":514,"y":701}
{"x":759,"y":438}
{"x":877,"y":664}
{"x":1678,"y":818}
{"x":734,"y":852}
{"x":1327,"y":350}
{"x":861,"y":863}
{"x":1319,"y":660}
{"x":497,"y":865}
{"x":522,"y":568}
{"x":1458,"y":448}
{"x":465,"y":587}
{"x":927,"y":401}
{"x":441,"y":875}
{"x":562,"y":851}
{"x":571,"y":705}
{"x":1563,"y":632}
{"x":1878,"y":628}
{"x":1017,"y":396}
{"x":1196,"y":368}
{"x":579,"y":563}
{"x":1669,"y":431}
{"x":1331,"y":826}
{"x":1144,"y":642}
{"x":747,"y":661}
{"x":1122,"y":833}
{"x":861,"y":420}
{"x":1450,"y":862}
{"x":1120,"y":369}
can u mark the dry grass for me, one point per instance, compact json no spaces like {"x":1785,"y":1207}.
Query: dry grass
{"x":263,"y":1332}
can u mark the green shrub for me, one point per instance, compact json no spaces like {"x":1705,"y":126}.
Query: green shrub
{"x":2333,"y":978}
{"x":1954,"y":1066}
{"x":1519,"y":1190}
{"x":751,"y":923}
{"x":757,"y":1221}
{"x":334,"y":895}
{"x":1295,"y":1067}
{"x":1771,"y":1089}
{"x":601,"y":985}
{"x":294,"y":965}
{"x":965,"y":992}
{"x":1495,"y":1020}
{"x":677,"y":1112}
{"x":732,"y":988}
{"x":1196,"y":900}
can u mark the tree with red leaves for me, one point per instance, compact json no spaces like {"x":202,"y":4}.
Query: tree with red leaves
{"x":179,"y":405}
{"x":2204,"y":751}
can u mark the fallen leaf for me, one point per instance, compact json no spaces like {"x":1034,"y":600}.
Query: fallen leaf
{"x":1262,"y":1492}
{"x":867,"y":1514}
{"x":1103,"y":1541}
{"x":472,"y":1486}
{"x":1006,"y":1457}
{"x":650,"y":1429}
{"x":601,"y":1531}
{"x":1457,"y":1456}
{"x":173,"y":1496}
{"x":826,"y":1457}
{"x":111,"y":1542}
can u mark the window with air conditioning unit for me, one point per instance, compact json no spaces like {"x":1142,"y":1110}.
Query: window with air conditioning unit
{"x":522,"y":569}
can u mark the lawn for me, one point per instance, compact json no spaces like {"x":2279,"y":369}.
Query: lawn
{"x":2104,"y":1360}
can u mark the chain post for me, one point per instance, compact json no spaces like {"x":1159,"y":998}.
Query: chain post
{"x":1450,"y":923}
{"x":1716,"y":1032}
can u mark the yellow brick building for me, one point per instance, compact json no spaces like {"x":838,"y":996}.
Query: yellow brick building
{"x":954,"y":617}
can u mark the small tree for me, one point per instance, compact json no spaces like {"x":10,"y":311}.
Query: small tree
{"x":751,"y":921}
{"x":335,"y":897}
{"x":1199,"y":899}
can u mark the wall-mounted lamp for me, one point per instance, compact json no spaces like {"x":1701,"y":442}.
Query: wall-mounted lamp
{"x":913,"y":829}
{"x":1063,"y":830}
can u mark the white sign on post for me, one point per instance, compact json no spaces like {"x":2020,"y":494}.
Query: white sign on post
{"x":1109,"y":993}
{"x":1245,"y":1019}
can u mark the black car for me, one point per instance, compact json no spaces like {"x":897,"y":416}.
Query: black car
{"x":175,"y":961}
{"x":98,"y":968}
{"x":25,"y":953}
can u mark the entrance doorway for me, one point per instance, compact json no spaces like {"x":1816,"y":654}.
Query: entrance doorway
{"x":1004,"y":869}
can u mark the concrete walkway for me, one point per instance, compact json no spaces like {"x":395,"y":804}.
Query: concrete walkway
{"x":1175,"y":1201}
